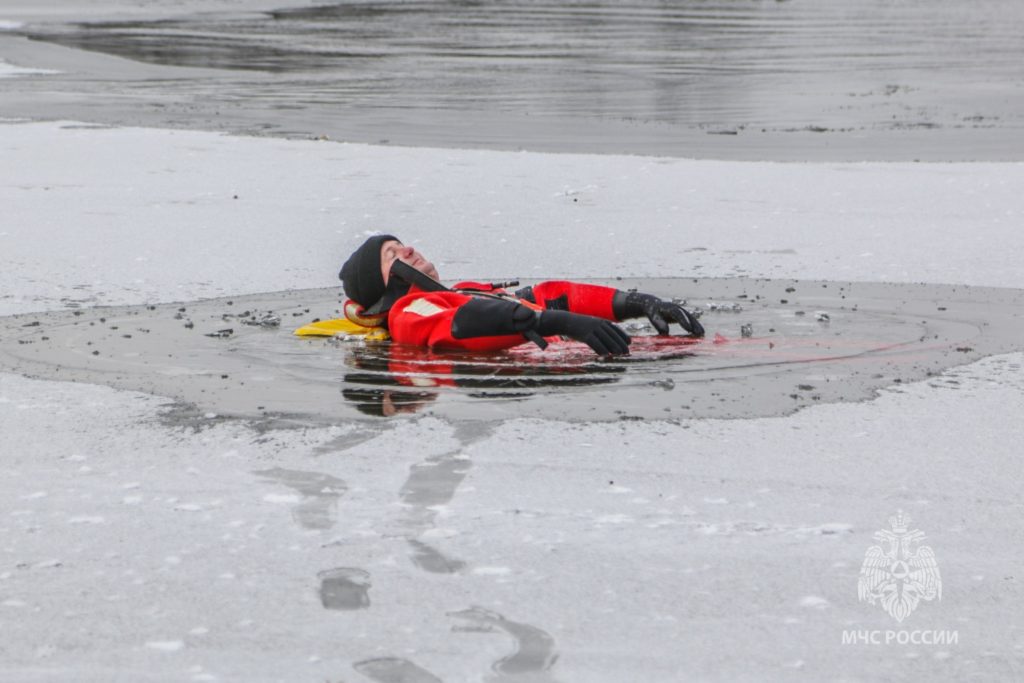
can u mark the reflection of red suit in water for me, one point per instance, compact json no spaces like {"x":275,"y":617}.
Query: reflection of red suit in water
{"x":465,"y":318}
{"x":400,"y":378}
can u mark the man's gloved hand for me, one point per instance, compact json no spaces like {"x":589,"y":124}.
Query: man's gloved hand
{"x":603,"y":336}
{"x":659,"y":312}
{"x":486,"y":316}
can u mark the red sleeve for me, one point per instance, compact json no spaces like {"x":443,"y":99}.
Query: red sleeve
{"x":576,"y":297}
{"x":425,"y":319}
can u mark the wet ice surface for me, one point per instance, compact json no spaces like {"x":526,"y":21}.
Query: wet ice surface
{"x":810,"y":342}
{"x":793,"y":80}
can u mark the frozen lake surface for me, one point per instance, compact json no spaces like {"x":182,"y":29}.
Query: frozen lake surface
{"x":183,"y":507}
{"x":177,"y":533}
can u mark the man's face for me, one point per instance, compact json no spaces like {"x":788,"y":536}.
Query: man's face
{"x":393,"y":250}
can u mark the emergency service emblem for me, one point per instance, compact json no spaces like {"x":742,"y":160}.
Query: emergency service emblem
{"x":899,"y":573}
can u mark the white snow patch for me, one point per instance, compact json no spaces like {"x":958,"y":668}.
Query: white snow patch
{"x":831,"y":529}
{"x":138,"y":207}
{"x":87,"y":519}
{"x":492,"y":571}
{"x":47,"y":564}
{"x":814,"y":601}
{"x":613,"y":519}
{"x":282,"y":498}
{"x":166,"y":645}
{"x":440,"y":532}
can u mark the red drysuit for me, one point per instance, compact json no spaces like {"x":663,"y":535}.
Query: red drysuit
{"x":470,"y":317}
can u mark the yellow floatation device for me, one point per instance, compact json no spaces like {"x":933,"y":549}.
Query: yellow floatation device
{"x":355,"y":322}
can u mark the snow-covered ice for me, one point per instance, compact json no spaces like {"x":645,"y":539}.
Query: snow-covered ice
{"x":736,"y":550}
{"x":136,"y":216}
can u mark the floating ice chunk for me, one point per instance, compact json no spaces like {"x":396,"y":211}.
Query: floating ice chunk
{"x":822,"y":316}
{"x":34,"y":496}
{"x":165,"y":645}
{"x":731,"y":307}
{"x":267,"y":320}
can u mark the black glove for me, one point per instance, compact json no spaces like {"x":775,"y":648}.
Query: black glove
{"x":660,"y":313}
{"x":486,"y":316}
{"x":603,"y":336}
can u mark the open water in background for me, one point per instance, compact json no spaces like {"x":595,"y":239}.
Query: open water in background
{"x":748,"y":78}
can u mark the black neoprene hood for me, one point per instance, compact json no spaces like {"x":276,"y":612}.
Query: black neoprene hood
{"x":361,"y":274}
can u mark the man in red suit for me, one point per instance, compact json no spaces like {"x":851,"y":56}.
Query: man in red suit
{"x":394,"y":285}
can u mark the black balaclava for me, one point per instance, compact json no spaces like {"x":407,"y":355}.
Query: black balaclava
{"x":361,"y":274}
